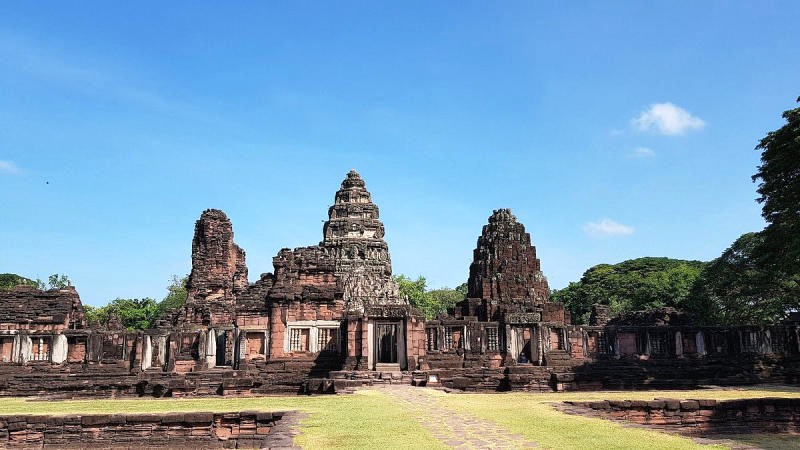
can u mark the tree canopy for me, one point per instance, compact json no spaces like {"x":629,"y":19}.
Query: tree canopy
{"x":10,"y":280}
{"x":738,"y":288}
{"x":54,"y":281}
{"x":779,"y":193}
{"x":136,"y":313}
{"x":636,"y":284}
{"x":430,"y":302}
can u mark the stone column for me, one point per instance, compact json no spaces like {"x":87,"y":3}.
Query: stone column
{"x":401,"y":345}
{"x":678,"y":344}
{"x":59,"y":351}
{"x":370,"y":339}
{"x":211,"y":348}
{"x":147,"y":352}
{"x":700,"y":343}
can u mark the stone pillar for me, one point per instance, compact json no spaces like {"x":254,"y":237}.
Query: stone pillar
{"x":147,"y":352}
{"x":211,"y":348}
{"x":162,"y":350}
{"x":401,"y":346}
{"x":678,"y":344}
{"x":700,"y":343}
{"x":16,"y":350}
{"x":59,"y":351}
{"x":370,"y":339}
{"x":243,"y":346}
{"x":26,"y":348}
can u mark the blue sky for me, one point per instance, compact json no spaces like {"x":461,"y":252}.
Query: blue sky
{"x":613,"y":130}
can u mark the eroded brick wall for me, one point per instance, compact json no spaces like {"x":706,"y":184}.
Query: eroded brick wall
{"x":247,"y":429}
{"x":699,"y":415}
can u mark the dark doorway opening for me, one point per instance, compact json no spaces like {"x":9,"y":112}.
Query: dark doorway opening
{"x":386,"y":342}
{"x":222,"y":341}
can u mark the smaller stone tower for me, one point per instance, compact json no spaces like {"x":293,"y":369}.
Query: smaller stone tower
{"x":219,"y":272}
{"x":505,"y":272}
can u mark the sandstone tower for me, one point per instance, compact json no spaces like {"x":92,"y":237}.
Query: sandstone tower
{"x":219,"y":272}
{"x":505,"y":272}
{"x":353,"y":235}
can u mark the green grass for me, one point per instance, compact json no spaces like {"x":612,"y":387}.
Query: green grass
{"x":533,"y":416}
{"x":366,"y":419}
{"x":373,"y":419}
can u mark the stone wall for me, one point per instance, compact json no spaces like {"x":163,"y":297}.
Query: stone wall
{"x":28,"y":308}
{"x":246,"y":429}
{"x":699,"y":415}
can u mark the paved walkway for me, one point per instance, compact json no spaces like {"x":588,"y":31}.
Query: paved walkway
{"x":455,"y":429}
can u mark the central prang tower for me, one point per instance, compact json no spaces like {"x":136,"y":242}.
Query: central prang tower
{"x":353,"y":235}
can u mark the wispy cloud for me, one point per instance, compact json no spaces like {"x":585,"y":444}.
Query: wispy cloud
{"x":642,"y":153}
{"x":9,"y":167}
{"x":668,"y":119}
{"x":89,"y":75}
{"x":607,"y":227}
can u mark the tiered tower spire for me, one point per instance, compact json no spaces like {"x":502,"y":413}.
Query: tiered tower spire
{"x":353,"y":234}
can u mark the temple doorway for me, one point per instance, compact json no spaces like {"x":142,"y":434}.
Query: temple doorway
{"x":526,"y":348}
{"x":386,"y":343}
{"x":222,"y":342}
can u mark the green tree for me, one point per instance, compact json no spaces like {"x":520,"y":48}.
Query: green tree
{"x":138,"y":314}
{"x":10,"y":280}
{"x":636,"y":284}
{"x":416,"y":293}
{"x":176,"y":296}
{"x":54,"y":281}
{"x":739,"y":287}
{"x":430,"y":302}
{"x":133,"y":313}
{"x":779,"y":193}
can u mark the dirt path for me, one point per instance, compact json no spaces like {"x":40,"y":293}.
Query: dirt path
{"x":454,"y":429}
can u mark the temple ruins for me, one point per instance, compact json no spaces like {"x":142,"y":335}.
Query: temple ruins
{"x":329,"y":318}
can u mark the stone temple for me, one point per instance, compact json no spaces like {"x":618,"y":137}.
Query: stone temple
{"x":329,"y":318}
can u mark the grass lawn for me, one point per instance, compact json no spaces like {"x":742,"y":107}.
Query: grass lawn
{"x":366,"y":419}
{"x":373,"y":419}
{"x":532,"y":416}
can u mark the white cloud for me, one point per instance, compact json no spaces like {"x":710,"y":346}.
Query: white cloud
{"x":668,"y":119}
{"x":607,"y":227}
{"x":642,"y":152}
{"x":8,"y":167}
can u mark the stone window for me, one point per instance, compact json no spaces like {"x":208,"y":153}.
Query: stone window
{"x":326,"y":339}
{"x":658,"y":343}
{"x":717,"y":342}
{"x":298,"y":339}
{"x":255,"y":344}
{"x":452,"y":338}
{"x":602,"y":344}
{"x":749,"y":342}
{"x":40,"y":351}
{"x":492,"y":339}
{"x":432,"y":339}
{"x":778,"y":341}
{"x":76,"y":349}
{"x":6,"y":348}
{"x":556,"y":339}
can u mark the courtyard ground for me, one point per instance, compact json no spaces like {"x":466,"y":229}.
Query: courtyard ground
{"x":406,"y":417}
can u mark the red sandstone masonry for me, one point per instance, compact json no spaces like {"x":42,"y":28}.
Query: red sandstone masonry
{"x":699,"y":415}
{"x":246,"y":429}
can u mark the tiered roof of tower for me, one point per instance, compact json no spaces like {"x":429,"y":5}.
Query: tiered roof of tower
{"x":353,"y":235}
{"x":505,"y":270}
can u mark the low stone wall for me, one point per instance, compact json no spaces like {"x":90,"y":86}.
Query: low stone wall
{"x":780,"y":415}
{"x":246,"y":429}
